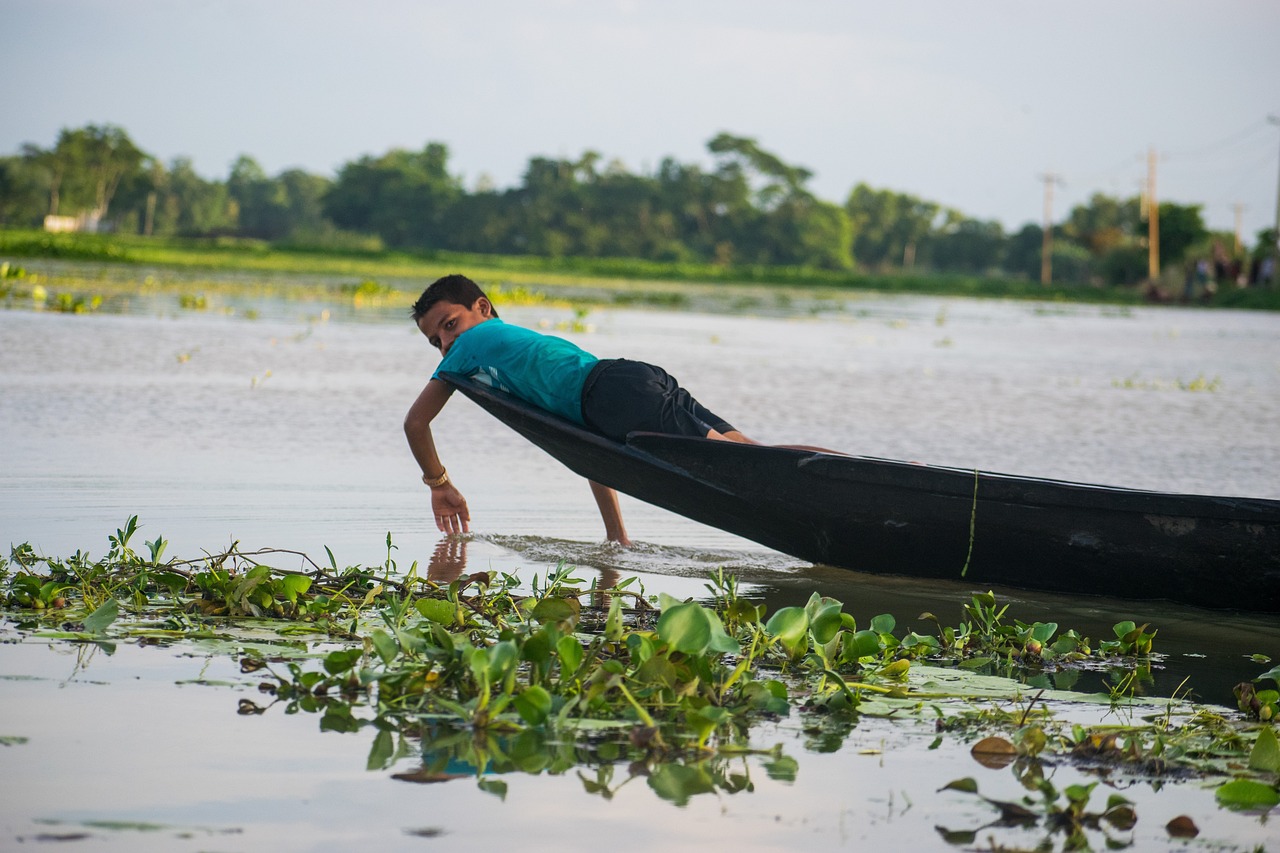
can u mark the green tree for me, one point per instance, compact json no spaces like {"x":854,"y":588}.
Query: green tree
{"x":1104,"y":224}
{"x":403,"y":196}
{"x":86,"y":166}
{"x":191,"y":205}
{"x":966,"y":245}
{"x":775,"y":181}
{"x":304,"y":195}
{"x":1181,"y":227}
{"x":99,"y":158}
{"x":1022,"y":252}
{"x":888,"y":227}
{"x":24,"y":193}
{"x":261,"y":209}
{"x":774,"y":219}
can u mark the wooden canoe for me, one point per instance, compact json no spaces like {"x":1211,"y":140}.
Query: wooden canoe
{"x":892,"y":517}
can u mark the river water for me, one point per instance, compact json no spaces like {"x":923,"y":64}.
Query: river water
{"x":283,"y":431}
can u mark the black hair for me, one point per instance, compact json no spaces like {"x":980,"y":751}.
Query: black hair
{"x":454,"y":289}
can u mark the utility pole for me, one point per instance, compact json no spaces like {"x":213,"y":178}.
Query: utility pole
{"x":1275,"y":243}
{"x":1239,"y":209}
{"x":1153,"y":219}
{"x":1046,"y":249}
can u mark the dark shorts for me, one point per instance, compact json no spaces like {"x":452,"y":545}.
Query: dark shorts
{"x":622,"y":396}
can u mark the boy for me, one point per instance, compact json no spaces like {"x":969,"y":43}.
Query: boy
{"x":611,"y":396}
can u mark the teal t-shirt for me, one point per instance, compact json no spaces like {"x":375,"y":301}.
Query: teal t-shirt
{"x":547,"y":371}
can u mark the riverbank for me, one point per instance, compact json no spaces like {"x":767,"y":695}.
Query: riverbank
{"x":663,"y":281}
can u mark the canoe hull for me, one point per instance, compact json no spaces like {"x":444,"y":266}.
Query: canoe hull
{"x":891,"y":517}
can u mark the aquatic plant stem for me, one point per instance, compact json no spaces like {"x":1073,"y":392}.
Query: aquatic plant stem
{"x":640,"y":711}
{"x":973,"y":523}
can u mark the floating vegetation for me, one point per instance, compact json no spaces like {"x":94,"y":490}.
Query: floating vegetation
{"x":70,"y":303}
{"x":492,"y":675}
{"x":578,"y":324}
{"x":1200,"y":383}
{"x":370,"y":293}
{"x":663,"y":298}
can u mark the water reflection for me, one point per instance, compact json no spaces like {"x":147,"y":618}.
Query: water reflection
{"x":448,"y":561}
{"x":603,"y":767}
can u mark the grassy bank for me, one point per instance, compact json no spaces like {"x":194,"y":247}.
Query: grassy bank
{"x":251,"y":256}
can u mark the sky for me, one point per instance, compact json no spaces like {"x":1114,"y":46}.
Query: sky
{"x":968,"y":104}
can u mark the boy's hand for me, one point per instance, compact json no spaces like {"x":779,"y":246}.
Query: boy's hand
{"x":450,"y":509}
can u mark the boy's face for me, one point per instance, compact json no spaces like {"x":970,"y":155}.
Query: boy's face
{"x":444,"y":321}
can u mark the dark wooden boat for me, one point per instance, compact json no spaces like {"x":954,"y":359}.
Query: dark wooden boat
{"x":886,"y":516}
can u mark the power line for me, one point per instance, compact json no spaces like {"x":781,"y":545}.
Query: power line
{"x":1222,"y":143}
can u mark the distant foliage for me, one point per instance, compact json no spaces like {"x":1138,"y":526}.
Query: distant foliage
{"x":750,"y":211}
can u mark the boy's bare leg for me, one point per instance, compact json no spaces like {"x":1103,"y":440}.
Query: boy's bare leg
{"x":731,"y":435}
{"x":610,"y":512}
{"x":734,"y":435}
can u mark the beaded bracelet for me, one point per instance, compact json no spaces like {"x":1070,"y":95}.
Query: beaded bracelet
{"x":436,"y":482}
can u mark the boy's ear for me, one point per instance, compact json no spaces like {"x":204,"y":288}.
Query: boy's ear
{"x":484,"y":306}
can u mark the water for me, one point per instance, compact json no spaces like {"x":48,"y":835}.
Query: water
{"x":284,"y":432}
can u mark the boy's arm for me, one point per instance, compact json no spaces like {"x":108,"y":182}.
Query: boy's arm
{"x":607,"y":500}
{"x":447,"y":504}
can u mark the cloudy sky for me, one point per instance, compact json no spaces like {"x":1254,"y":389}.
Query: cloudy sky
{"x":964,"y":103}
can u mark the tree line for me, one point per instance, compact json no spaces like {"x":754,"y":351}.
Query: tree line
{"x":750,"y":208}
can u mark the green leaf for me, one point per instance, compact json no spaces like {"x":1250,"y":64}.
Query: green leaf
{"x":884,"y":623}
{"x":294,"y":586}
{"x":641,"y":648}
{"x":1265,"y":754}
{"x":502,"y":658}
{"x":385,"y":645}
{"x":493,"y":786}
{"x":790,"y":625}
{"x":657,"y":669}
{"x":865,"y":643}
{"x":569,"y":650}
{"x":1079,"y":793}
{"x":556,"y":610}
{"x":383,"y":750}
{"x":101,"y":617}
{"x":676,"y":783}
{"x":1273,"y":674}
{"x":613,"y":627}
{"x":534,"y":705}
{"x":1043,"y":631}
{"x":685,"y":628}
{"x":437,"y":610}
{"x":721,"y":642}
{"x":341,"y":660}
{"x":1247,"y":794}
{"x":968,"y":785}
{"x":338,"y":718}
{"x":787,"y":622}
{"x":957,"y":837}
{"x":537,"y":649}
{"x":824,"y":619}
{"x":783,"y":768}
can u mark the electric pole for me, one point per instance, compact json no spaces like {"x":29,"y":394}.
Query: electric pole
{"x":1153,"y":219}
{"x":1275,"y":242}
{"x":1239,"y":209}
{"x":1046,"y":249}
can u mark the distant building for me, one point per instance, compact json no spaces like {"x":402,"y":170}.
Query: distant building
{"x":89,"y":222}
